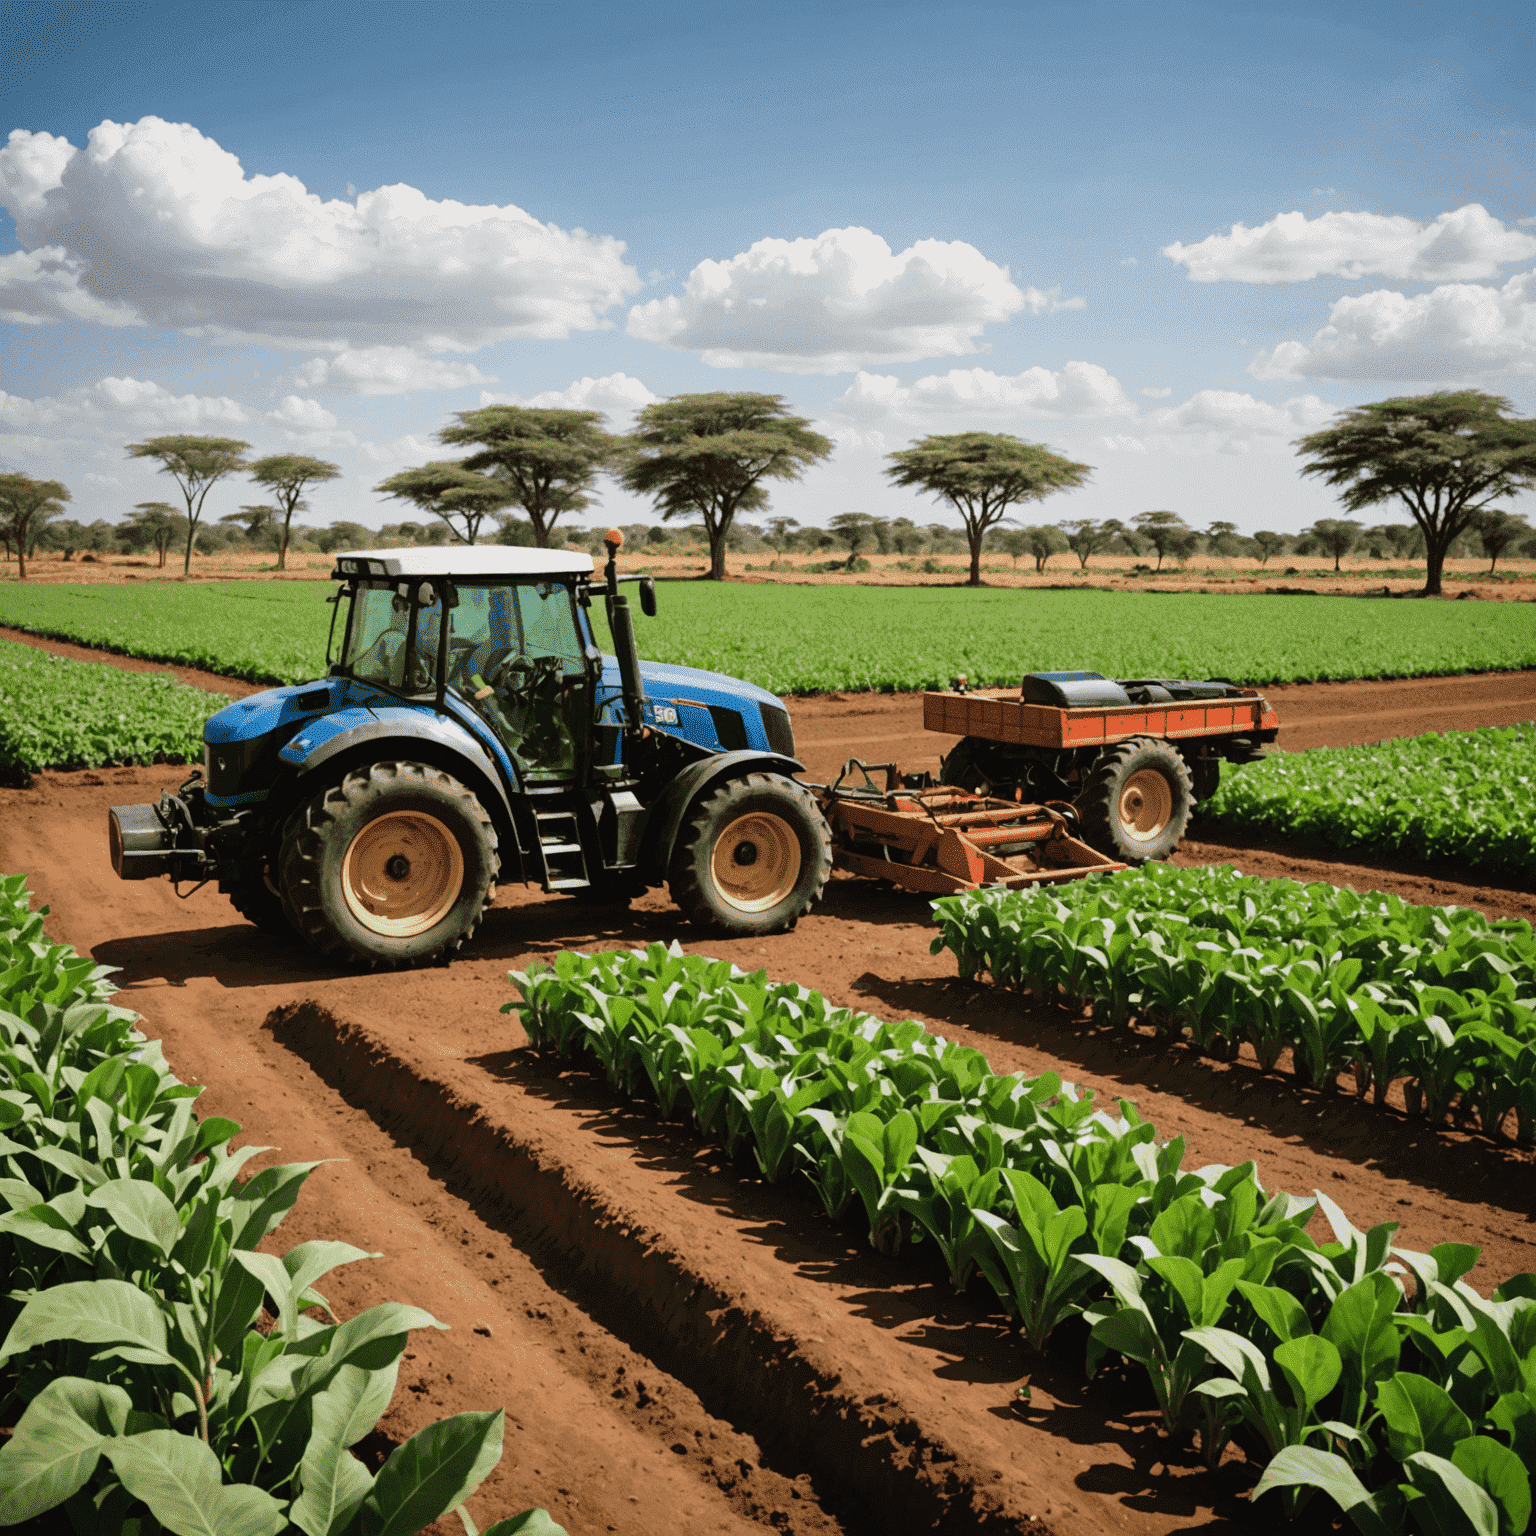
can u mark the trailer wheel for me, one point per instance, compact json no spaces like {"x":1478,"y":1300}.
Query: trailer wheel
{"x":392,"y":866}
{"x":1136,"y":802}
{"x":753,"y":854}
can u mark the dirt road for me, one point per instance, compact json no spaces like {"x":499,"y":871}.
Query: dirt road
{"x":679,"y":1347}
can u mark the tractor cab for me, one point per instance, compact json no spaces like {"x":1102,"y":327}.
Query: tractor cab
{"x":518,"y":653}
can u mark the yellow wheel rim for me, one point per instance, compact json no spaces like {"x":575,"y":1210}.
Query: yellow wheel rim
{"x":756,"y":862}
{"x":402,"y":874}
{"x":1146,"y":805}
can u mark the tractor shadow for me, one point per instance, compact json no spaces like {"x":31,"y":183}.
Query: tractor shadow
{"x":235,"y":955}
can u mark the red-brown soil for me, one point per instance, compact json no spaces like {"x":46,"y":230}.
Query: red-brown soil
{"x":679,"y":1347}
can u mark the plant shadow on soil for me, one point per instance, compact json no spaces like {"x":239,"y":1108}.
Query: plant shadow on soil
{"x":1460,"y":1164}
{"x":909,"y":1296}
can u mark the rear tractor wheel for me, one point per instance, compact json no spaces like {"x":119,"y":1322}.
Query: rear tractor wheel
{"x":1135,"y":805}
{"x":392,"y":866}
{"x":753,"y":854}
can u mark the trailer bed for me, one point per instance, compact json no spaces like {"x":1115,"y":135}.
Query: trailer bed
{"x":1007,"y":718}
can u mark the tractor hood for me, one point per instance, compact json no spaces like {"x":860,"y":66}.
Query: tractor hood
{"x":708,"y":709}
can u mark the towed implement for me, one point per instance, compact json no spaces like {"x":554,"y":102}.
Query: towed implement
{"x":939,"y":840}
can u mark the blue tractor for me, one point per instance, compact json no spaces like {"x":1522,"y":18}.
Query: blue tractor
{"x":471,"y":731}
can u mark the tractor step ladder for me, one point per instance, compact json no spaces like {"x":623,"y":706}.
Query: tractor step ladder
{"x":565,"y":860}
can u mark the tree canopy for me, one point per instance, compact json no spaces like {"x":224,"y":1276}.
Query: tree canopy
{"x":449,"y":491}
{"x":196,"y":464}
{"x":1496,"y":531}
{"x":981,"y":475}
{"x":1086,"y":537}
{"x":1335,"y":535}
{"x":1445,"y":456}
{"x":550,"y":458}
{"x":707,"y":456}
{"x":26,"y":506}
{"x":1161,"y":530}
{"x":153,"y":525}
{"x":287,"y":475}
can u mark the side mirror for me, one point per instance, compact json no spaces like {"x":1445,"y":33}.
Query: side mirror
{"x":648,"y":596}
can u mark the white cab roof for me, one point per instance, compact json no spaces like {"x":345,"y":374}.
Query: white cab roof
{"x":462,"y":560}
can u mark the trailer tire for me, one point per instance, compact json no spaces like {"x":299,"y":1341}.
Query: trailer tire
{"x":1135,"y":805}
{"x":752,"y":854}
{"x":393,"y":866}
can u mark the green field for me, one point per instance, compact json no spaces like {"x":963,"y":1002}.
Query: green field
{"x":1462,"y":798}
{"x":74,"y":714}
{"x":807,"y":639}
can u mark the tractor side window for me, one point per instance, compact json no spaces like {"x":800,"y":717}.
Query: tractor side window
{"x":376,"y":644}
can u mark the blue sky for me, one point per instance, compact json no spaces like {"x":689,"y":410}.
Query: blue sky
{"x":905,"y":219}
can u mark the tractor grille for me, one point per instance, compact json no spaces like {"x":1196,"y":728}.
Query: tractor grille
{"x":781,"y":735}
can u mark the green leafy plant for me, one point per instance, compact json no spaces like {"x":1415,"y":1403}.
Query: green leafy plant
{"x":129,"y":1337}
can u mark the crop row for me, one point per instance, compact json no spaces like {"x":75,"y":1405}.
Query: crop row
{"x":1436,"y":996}
{"x":1352,"y":1366}
{"x":811,"y":639}
{"x":1461,"y":797}
{"x":56,"y":713}
{"x":133,"y":1368}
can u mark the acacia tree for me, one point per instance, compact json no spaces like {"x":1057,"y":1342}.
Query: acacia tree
{"x":858,"y":529}
{"x":26,"y":507}
{"x":1337,"y":536}
{"x":1270,"y":544}
{"x":287,"y":475}
{"x":707,"y":456}
{"x":156,"y":524}
{"x":779,"y":535}
{"x":981,"y":475}
{"x":1223,"y":537}
{"x":449,"y":491}
{"x":258,"y":520}
{"x":1086,"y":537}
{"x":550,"y":458}
{"x":1445,"y":456}
{"x":1496,"y":530}
{"x":196,"y":464}
{"x":1160,"y":530}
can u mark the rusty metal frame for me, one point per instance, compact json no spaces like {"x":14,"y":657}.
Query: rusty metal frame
{"x":940,"y":840}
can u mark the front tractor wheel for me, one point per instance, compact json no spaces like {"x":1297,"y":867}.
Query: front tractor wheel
{"x":1136,"y":803}
{"x":392,"y":866}
{"x":753,"y":854}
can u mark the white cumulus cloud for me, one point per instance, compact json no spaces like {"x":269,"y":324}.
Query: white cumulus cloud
{"x":154,"y":223}
{"x":386,"y":371}
{"x":1079,"y":390}
{"x":1081,"y":398}
{"x":1458,"y":331}
{"x":1464,"y":245}
{"x":837,"y":302}
{"x":617,"y":393}
{"x":113,"y":411}
{"x":1228,"y":421}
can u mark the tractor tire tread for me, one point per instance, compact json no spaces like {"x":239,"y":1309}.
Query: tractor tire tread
{"x":303,"y":846}
{"x":683,"y":881}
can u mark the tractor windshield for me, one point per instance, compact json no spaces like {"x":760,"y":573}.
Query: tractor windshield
{"x":390,"y":644}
